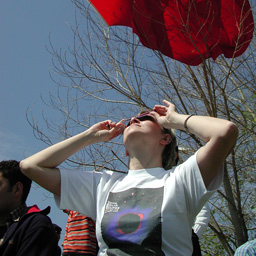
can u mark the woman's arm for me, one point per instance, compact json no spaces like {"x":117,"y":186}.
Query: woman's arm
{"x":41,"y":167}
{"x":220,"y":137}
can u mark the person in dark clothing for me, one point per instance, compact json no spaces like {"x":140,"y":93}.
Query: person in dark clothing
{"x":24,"y":231}
{"x":57,"y":230}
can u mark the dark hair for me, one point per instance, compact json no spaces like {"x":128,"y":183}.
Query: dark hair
{"x":177,"y":158}
{"x":169,"y":154}
{"x":11,"y":171}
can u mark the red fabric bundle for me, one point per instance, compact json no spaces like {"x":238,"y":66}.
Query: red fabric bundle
{"x":189,"y":31}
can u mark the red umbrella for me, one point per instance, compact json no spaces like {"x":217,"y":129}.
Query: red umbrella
{"x":186,"y":30}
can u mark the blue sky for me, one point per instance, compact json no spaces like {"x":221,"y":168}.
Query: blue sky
{"x":25,"y":27}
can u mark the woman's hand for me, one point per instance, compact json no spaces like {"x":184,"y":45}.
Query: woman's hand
{"x":166,"y":115}
{"x":107,"y":130}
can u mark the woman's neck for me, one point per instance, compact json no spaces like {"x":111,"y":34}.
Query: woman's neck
{"x":144,"y":162}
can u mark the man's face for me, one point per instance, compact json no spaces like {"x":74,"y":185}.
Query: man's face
{"x":6,"y":196}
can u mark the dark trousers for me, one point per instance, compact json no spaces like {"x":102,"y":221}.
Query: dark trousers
{"x":196,"y":245}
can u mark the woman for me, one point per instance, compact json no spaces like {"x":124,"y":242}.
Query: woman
{"x":149,"y":210}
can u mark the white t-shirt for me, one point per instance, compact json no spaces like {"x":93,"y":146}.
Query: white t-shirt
{"x":144,"y":212}
{"x":202,"y":220}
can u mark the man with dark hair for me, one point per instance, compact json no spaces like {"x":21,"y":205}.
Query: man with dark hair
{"x":24,"y":231}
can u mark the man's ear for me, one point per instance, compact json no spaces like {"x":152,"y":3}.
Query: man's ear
{"x":166,"y":139}
{"x":126,"y":153}
{"x":17,"y":189}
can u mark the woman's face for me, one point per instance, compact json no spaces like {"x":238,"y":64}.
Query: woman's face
{"x":142,"y":129}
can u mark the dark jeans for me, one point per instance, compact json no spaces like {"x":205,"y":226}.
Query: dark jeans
{"x":196,"y":245}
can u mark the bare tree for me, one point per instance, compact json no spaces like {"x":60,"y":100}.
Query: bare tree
{"x":108,"y":74}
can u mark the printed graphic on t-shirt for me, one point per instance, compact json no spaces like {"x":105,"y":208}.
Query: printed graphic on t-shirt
{"x":132,"y":222}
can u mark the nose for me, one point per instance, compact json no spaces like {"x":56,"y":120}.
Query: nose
{"x":134,"y":120}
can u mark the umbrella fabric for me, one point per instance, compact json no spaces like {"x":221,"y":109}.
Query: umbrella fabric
{"x":189,"y":31}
